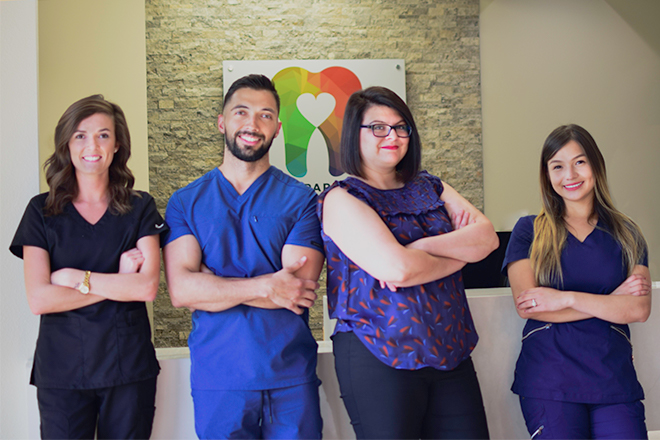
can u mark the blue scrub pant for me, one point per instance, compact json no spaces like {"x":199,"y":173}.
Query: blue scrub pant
{"x":119,"y":412}
{"x":281,"y":413}
{"x":386,"y":403}
{"x":551,"y":419}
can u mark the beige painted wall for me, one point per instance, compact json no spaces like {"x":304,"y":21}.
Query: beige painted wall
{"x":88,"y":47}
{"x":19,"y":181}
{"x":591,"y":62}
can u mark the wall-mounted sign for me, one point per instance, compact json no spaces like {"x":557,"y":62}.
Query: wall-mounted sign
{"x":313,"y":95}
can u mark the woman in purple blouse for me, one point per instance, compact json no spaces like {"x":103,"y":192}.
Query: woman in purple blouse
{"x":396,"y":240}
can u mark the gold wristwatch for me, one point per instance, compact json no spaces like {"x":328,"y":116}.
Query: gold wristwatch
{"x":84,"y":287}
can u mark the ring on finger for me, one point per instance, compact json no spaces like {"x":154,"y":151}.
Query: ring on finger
{"x":534,"y":303}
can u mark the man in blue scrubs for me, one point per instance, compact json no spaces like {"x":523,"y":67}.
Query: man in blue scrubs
{"x":244,"y":252}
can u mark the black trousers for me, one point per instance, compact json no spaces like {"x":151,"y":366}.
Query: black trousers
{"x":386,"y":403}
{"x":120,"y":412}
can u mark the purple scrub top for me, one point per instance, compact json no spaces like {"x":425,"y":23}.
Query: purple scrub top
{"x":588,"y":361}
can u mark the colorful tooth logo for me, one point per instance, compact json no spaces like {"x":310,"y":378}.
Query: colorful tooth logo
{"x":295,"y":81}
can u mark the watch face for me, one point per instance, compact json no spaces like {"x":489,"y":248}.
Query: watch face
{"x":84,"y":289}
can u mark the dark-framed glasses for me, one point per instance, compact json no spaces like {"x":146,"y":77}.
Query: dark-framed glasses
{"x":383,"y":130}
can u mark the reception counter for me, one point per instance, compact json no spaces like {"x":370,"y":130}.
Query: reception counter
{"x":499,"y":329}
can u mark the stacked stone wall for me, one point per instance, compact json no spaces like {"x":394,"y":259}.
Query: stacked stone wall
{"x":187,"y":41}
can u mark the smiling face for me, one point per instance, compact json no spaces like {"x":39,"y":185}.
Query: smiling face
{"x":93,"y":145}
{"x":249,"y":123}
{"x":382,"y":154}
{"x":570,"y":174}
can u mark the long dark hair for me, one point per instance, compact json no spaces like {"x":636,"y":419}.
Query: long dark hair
{"x":60,"y":172}
{"x":357,"y":105}
{"x":550,"y":228}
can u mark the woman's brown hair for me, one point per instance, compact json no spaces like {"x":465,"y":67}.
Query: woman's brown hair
{"x":60,"y":172}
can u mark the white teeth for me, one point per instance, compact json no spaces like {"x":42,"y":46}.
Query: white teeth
{"x":249,"y":138}
{"x":92,"y":158}
{"x":575,"y":185}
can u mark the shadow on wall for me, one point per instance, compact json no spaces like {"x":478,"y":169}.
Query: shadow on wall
{"x":488,"y":272}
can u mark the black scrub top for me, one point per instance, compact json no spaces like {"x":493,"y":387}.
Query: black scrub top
{"x":103,"y":344}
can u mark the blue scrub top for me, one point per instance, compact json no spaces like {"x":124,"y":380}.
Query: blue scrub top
{"x":242,"y":236}
{"x":588,"y":361}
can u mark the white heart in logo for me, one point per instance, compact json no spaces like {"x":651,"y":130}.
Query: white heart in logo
{"x":316,"y":110}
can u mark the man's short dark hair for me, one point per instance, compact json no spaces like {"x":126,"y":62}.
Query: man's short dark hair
{"x":254,"y":82}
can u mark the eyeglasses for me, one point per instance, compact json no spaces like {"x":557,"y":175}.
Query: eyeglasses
{"x":383,"y":130}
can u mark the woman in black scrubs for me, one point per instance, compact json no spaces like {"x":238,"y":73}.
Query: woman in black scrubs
{"x":91,"y":256}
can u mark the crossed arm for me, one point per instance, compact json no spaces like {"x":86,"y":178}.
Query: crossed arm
{"x":629,"y":302}
{"x":363,"y":236}
{"x":54,"y":292}
{"x":290,"y":288}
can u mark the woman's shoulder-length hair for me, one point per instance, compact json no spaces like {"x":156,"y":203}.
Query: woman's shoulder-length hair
{"x":60,"y":172}
{"x":356,"y":106}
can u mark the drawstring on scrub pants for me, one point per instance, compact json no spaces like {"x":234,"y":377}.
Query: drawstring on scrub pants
{"x":266,"y":405}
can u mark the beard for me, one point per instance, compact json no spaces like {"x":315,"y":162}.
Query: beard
{"x":247,"y":154}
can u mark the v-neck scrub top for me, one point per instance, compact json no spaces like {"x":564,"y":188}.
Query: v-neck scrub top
{"x":242,"y":236}
{"x":104,"y":344}
{"x":588,"y":361}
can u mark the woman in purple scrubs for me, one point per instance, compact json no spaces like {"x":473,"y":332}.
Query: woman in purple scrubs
{"x":579,"y":275}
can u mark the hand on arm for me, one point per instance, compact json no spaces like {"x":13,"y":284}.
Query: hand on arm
{"x":550,"y":303}
{"x":293,"y":287}
{"x":637,"y":284}
{"x":630,"y":302}
{"x":190,"y":287}
{"x":460,"y":219}
{"x":363,"y":236}
{"x":137,"y":280}
{"x":131,"y":261}
{"x":473,"y":237}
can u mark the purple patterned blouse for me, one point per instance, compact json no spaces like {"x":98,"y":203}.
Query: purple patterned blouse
{"x":415,"y":327}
